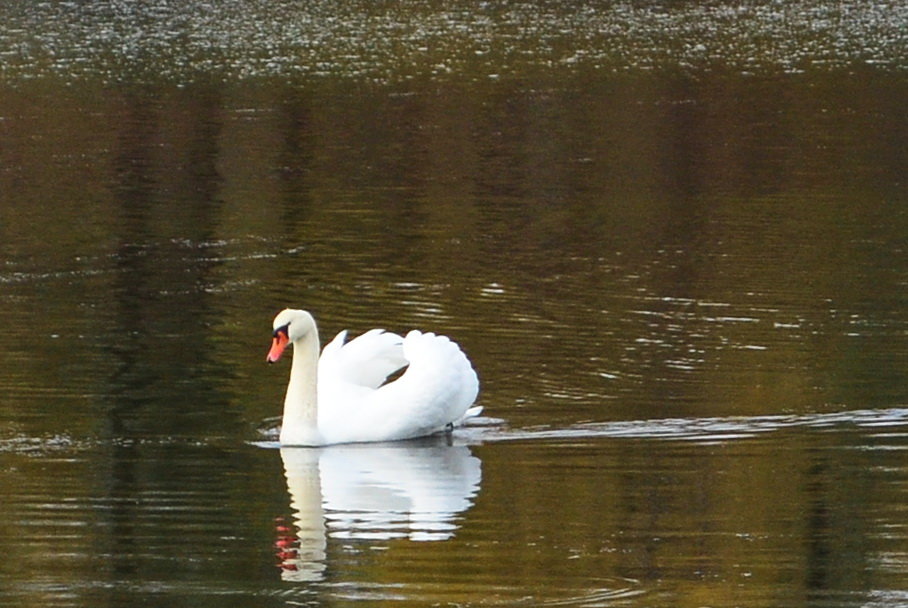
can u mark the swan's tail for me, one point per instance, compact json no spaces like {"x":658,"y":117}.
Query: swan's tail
{"x":473,"y":412}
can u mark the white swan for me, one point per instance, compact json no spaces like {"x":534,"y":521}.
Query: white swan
{"x":340,"y":397}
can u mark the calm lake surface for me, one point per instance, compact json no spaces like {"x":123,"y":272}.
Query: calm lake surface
{"x":671,"y":238}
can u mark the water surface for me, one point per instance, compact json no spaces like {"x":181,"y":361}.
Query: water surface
{"x":670,"y":238}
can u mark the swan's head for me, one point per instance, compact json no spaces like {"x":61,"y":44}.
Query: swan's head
{"x":289,"y":326}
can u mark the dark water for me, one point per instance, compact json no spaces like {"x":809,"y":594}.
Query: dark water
{"x":672,"y":239}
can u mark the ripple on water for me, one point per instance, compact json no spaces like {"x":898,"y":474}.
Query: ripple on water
{"x":706,"y":430}
{"x":362,"y":40}
{"x":40,"y":446}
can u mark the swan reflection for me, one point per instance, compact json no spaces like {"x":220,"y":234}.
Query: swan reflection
{"x":371,"y":492}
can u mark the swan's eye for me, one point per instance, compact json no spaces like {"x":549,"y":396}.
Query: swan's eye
{"x":283,"y":331}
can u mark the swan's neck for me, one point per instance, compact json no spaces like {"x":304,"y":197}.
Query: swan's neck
{"x":300,"y":423}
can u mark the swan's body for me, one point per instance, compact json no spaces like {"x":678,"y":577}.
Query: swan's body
{"x":339,"y":397}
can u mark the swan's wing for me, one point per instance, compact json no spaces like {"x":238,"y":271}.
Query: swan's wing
{"x":365,"y":361}
{"x":437,"y":388}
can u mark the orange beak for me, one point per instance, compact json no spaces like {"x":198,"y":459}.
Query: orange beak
{"x":278,"y":345}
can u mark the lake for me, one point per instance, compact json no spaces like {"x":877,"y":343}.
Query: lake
{"x":670,"y":237}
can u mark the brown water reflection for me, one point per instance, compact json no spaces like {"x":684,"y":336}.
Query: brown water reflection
{"x":685,"y":297}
